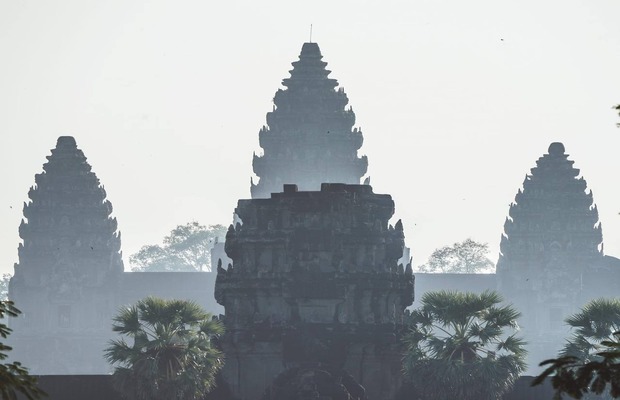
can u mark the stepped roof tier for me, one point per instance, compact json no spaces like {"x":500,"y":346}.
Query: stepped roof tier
{"x":69,"y":236}
{"x":553,"y":220}
{"x":552,"y":244}
{"x":309,"y":138}
{"x":69,"y":281}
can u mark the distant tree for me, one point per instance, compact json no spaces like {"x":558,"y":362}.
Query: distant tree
{"x":4,"y":286}
{"x":460,"y":346}
{"x":587,"y":366}
{"x":14,"y":378}
{"x":186,"y":248}
{"x":466,"y":257}
{"x":617,"y":107}
{"x":170,"y":354}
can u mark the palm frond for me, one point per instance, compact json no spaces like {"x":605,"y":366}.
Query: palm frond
{"x":211,"y":327}
{"x":455,"y":348}
{"x":513,"y":344}
{"x":503,"y":316}
{"x":171,"y":355}
{"x":127,"y":321}
{"x":487,"y":332}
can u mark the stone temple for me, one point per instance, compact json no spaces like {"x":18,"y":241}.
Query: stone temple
{"x":552,"y":238}
{"x":551,"y":252}
{"x":315,"y":296}
{"x":315,"y":293}
{"x":551,"y":258}
{"x":314,"y":288}
{"x":309,"y":138}
{"x":69,"y":281}
{"x":69,"y":262}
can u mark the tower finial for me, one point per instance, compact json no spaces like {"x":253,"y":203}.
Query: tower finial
{"x":310,"y":33}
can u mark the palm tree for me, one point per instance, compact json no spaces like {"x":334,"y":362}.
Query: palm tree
{"x":593,"y":331}
{"x":596,"y":322}
{"x":171,"y":354}
{"x":14,"y":378}
{"x":459,"y":347}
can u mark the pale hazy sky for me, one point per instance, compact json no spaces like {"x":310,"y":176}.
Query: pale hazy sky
{"x":456,"y":99}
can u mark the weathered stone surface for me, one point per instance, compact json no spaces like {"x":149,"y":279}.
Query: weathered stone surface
{"x":69,"y":264}
{"x":69,"y":281}
{"x":69,"y":236}
{"x":314,"y":382}
{"x":551,"y":244}
{"x":315,"y":280}
{"x":309,"y":138}
{"x":100,"y":387}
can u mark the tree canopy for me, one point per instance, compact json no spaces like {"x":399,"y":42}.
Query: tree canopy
{"x":466,"y":257}
{"x":170,"y":354}
{"x":463,"y":346}
{"x":186,"y":248}
{"x":588,"y":366}
{"x":14,"y":378}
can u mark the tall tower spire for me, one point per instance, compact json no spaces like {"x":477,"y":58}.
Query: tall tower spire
{"x":68,"y":225}
{"x":69,"y":264}
{"x":553,"y":222}
{"x":309,"y":138}
{"x":551,"y":242}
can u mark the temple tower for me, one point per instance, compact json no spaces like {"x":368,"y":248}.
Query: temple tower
{"x":315,"y":291}
{"x":309,"y":138}
{"x":68,"y":270}
{"x":552,"y":240}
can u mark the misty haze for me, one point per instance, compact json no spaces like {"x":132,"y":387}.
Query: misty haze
{"x":317,"y":201}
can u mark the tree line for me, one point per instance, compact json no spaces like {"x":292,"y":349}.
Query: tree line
{"x":458,"y":345}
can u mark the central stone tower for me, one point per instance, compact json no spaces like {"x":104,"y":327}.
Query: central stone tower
{"x":315,"y":291}
{"x":309,"y":138}
{"x":314,"y":298}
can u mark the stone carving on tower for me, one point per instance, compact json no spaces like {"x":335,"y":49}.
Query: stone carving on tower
{"x":315,"y":287}
{"x":309,"y":138}
{"x":69,"y":265}
{"x":552,"y":240}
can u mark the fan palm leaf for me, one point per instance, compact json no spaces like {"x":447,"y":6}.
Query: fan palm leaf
{"x":172,"y":354}
{"x":460,"y":347}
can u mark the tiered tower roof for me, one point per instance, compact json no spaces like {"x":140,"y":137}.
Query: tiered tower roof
{"x":69,"y":236}
{"x":552,"y":243}
{"x":553,"y":219}
{"x":309,"y":138}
